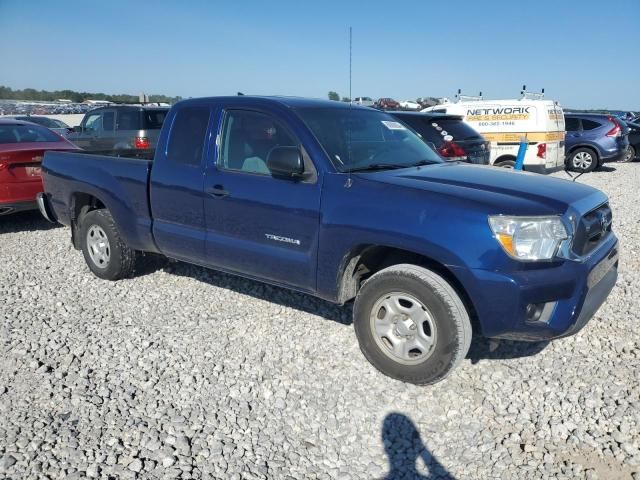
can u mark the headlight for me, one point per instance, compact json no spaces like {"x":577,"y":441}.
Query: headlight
{"x":529,"y":238}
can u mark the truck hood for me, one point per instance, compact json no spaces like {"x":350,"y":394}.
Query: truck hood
{"x":499,"y":190}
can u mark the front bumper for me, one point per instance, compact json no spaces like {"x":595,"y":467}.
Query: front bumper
{"x":573,"y":292}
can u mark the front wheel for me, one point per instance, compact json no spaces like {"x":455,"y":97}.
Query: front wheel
{"x":411,"y":324}
{"x":104,"y":250}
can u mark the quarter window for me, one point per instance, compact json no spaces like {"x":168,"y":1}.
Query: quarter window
{"x":188,"y":132}
{"x":589,"y":124}
{"x":247,"y":139}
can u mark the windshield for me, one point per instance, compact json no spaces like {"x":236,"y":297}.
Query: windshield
{"x":357,"y":139}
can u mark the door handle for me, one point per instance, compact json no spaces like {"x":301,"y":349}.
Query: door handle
{"x":217,"y":191}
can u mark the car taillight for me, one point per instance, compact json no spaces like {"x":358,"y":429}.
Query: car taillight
{"x":142,"y":142}
{"x":542,"y":150}
{"x":452,"y":151}
{"x":616,"y":131}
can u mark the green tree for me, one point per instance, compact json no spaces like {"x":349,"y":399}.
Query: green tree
{"x":346,"y":99}
{"x":334,"y":96}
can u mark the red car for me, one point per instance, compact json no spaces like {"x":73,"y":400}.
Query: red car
{"x":22,"y":145}
{"x":387,"y":104}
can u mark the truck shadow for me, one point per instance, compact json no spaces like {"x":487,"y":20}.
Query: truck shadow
{"x":485,"y":349}
{"x":28,"y":221}
{"x":403,"y":446}
{"x":481,"y":348}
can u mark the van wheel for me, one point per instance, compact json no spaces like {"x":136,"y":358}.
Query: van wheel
{"x":583,"y":160}
{"x":411,"y":324}
{"x":106,"y":254}
{"x":505,"y":164}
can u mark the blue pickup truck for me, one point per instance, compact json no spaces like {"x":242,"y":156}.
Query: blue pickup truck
{"x":348,"y":204}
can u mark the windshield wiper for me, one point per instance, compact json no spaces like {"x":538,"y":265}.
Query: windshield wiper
{"x":378,"y":166}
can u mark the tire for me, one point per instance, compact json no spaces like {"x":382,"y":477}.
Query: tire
{"x":505,"y":164}
{"x":441,"y":316}
{"x":106,"y":254}
{"x":582,"y":160}
{"x":630,"y":155}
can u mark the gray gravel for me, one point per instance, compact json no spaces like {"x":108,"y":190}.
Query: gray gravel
{"x":184,"y":372}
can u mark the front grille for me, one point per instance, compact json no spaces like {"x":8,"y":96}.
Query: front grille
{"x":592,"y":229}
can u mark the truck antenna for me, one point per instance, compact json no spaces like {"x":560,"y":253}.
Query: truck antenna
{"x":349,"y":180}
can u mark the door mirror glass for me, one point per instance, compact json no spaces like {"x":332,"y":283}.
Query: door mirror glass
{"x":285,"y":162}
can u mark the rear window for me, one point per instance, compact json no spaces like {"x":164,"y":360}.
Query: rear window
{"x":436,"y":129}
{"x":26,"y":134}
{"x":128,"y":120}
{"x":154,"y":118}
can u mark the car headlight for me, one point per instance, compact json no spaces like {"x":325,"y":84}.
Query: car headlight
{"x":529,"y":238}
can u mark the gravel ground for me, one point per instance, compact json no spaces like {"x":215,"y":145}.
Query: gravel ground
{"x":184,"y":372}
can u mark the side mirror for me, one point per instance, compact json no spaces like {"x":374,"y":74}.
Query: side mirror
{"x":285,"y":162}
{"x":77,"y":129}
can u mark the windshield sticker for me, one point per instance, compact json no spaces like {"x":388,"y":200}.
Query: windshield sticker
{"x":393,"y":125}
{"x":448,"y":138}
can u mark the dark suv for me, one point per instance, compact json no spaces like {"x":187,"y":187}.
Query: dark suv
{"x":452,"y":138}
{"x":593,"y":139}
{"x":121,"y":127}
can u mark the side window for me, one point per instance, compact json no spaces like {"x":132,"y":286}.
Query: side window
{"x":589,"y":124}
{"x":186,"y":142}
{"x":128,"y":120}
{"x":93,"y":122}
{"x":108,"y":121}
{"x":247,"y":139}
{"x":571,"y":124}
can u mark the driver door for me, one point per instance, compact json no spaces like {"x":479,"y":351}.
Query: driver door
{"x":257,"y":224}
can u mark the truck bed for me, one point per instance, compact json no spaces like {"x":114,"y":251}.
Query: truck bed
{"x":121,"y":184}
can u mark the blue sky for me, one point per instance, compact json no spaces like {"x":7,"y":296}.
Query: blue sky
{"x":584,"y":53}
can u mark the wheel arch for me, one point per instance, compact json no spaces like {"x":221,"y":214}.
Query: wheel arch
{"x":80,"y":204}
{"x":365,"y":260}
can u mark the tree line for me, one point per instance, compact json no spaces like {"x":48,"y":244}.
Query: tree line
{"x":7,"y":93}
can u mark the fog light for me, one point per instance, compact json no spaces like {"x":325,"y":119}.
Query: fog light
{"x":534,"y":311}
{"x":540,"y":312}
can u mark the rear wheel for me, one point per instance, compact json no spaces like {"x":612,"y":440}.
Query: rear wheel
{"x":104,"y":250}
{"x":411,"y":324}
{"x":505,"y":163}
{"x":583,"y":160}
{"x":630,"y":155}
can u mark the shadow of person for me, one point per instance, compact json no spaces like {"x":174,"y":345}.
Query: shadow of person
{"x":404,"y":447}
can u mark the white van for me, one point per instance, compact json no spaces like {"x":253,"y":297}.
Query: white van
{"x":505,"y":122}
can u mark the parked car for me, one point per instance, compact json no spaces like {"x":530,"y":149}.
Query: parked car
{"x":364,"y":101}
{"x":387,"y":104}
{"x":633,"y":151}
{"x":451,"y":137}
{"x":22,"y":145}
{"x":120,"y":127}
{"x":409,"y":105}
{"x":236,"y":185}
{"x":592,"y":140}
{"x":54,"y":124}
